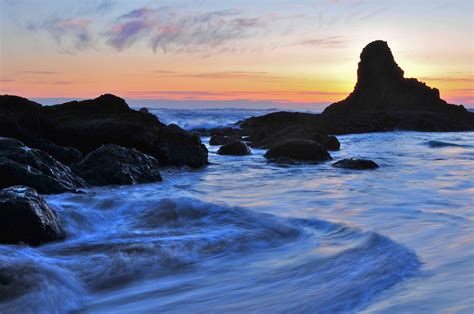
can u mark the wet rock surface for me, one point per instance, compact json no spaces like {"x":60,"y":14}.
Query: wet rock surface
{"x":26,"y":218}
{"x":217,"y":140}
{"x":64,"y":154}
{"x":357,"y":164}
{"x":114,"y":165}
{"x":22,"y":165}
{"x":86,"y":125}
{"x":298,"y":149}
{"x":235,"y":148}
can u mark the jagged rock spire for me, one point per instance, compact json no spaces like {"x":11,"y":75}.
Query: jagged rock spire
{"x":381,"y":86}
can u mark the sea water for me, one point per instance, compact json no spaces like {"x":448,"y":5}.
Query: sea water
{"x":245,"y":235}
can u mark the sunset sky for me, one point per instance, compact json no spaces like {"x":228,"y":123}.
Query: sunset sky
{"x":250,"y":53}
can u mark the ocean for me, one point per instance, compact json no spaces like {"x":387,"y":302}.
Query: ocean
{"x":246,"y":236}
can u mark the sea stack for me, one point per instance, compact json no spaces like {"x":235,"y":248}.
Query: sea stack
{"x":381,"y":86}
{"x":382,"y":100}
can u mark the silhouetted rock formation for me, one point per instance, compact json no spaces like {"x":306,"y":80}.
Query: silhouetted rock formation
{"x":114,"y":165}
{"x":21,"y":165}
{"x":26,"y":218}
{"x":382,"y":100}
{"x":235,"y":148}
{"x":357,"y":164}
{"x":86,"y":125}
{"x":381,"y":86}
{"x":298,"y":149}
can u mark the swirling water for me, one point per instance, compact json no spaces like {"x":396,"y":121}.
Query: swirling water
{"x":243,"y":235}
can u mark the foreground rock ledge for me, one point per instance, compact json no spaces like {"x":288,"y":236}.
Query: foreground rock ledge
{"x":86,"y":125}
{"x":26,"y":218}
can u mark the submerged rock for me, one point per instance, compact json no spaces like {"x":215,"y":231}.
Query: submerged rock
{"x":86,"y":125}
{"x":114,"y":165}
{"x":358,"y":164}
{"x":236,"y":148}
{"x":440,"y":144}
{"x":284,"y":161}
{"x":21,"y":165}
{"x":26,"y":218}
{"x":298,"y":149}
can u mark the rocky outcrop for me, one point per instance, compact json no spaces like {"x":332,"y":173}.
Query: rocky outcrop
{"x":64,"y":154}
{"x":357,"y":164}
{"x":235,"y":148}
{"x":218,"y":140}
{"x":21,"y":165}
{"x":382,"y":100}
{"x":269,"y":135}
{"x":298,"y":149}
{"x":26,"y":218}
{"x":114,"y":165}
{"x":223,"y":131}
{"x":381,"y":86}
{"x":86,"y":125}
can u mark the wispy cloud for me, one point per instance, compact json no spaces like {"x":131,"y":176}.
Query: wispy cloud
{"x":46,"y":82}
{"x":35,"y":72}
{"x":167,"y":30}
{"x":330,"y":41}
{"x":254,"y":75}
{"x":104,"y":5}
{"x":70,"y":34}
{"x":7,"y":81}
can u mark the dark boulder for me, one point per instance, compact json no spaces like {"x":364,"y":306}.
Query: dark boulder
{"x":332,"y":143}
{"x":284,"y":161}
{"x":358,"y":164}
{"x":236,"y":148}
{"x":86,"y":125}
{"x":114,"y":165}
{"x":224,"y":131}
{"x":180,"y":148}
{"x":65,"y":154}
{"x":21,"y":165}
{"x":26,"y":218}
{"x":266,"y":135}
{"x":298,"y":149}
{"x":218,"y":140}
{"x":144,"y":110}
{"x":20,"y":118}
